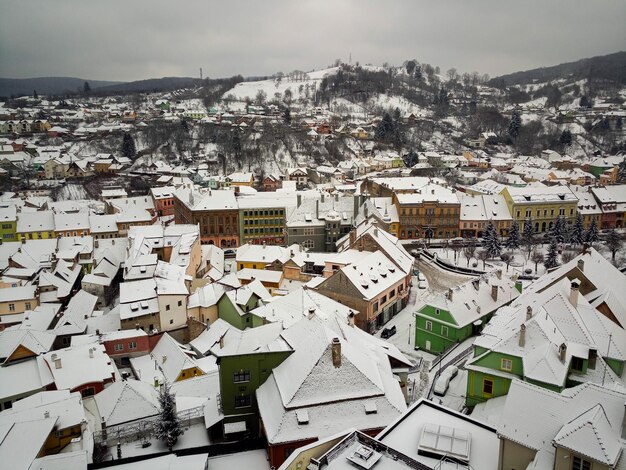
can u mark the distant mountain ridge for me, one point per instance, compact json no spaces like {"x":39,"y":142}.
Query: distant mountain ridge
{"x":608,"y":67}
{"x":47,"y":85}
{"x":69,"y":85}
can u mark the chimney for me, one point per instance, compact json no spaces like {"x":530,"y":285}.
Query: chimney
{"x":499,"y":273}
{"x":91,"y":353}
{"x":336,"y":352}
{"x":522,"y":335}
{"x":581,"y":265}
{"x":355,"y":204}
{"x":46,"y":414}
{"x":352,"y":237}
{"x":299,"y":200}
{"x":336,"y":197}
{"x":322,"y":197}
{"x":97,"y":332}
{"x":351,"y":316}
{"x":449,"y":294}
{"x":529,"y":313}
{"x":57,"y":363}
{"x":573,"y":293}
{"x":163,"y":359}
{"x":562,"y":352}
{"x":317,"y":207}
{"x":311,"y":313}
{"x":494,"y":292}
{"x":96,"y":243}
{"x":376,"y":231}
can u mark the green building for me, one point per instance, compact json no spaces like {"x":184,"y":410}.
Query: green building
{"x":234,"y":306}
{"x":553,"y":338}
{"x":245,"y":360}
{"x":8,"y":224}
{"x":445,"y":319}
{"x":262,"y":218}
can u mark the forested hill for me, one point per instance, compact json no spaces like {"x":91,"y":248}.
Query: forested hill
{"x":607,"y":67}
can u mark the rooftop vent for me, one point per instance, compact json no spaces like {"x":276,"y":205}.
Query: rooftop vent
{"x":302,"y":416}
{"x":364,"y":457}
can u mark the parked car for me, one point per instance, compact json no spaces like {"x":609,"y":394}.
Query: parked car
{"x":388,"y":332}
{"x":452,"y":371}
{"x":420,"y":277}
{"x":421,"y":285}
{"x":442,"y":384}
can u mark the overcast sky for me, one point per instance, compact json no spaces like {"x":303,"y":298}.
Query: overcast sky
{"x":136,"y":39}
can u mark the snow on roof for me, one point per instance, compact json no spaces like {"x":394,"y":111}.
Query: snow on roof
{"x":35,"y":341}
{"x":265,"y":254}
{"x":205,"y":296}
{"x":102,"y":223}
{"x":17,"y":293}
{"x":78,"y":221}
{"x":222,"y":339}
{"x":20,"y":443}
{"x":541,"y":194}
{"x":170,"y":279}
{"x":80,"y":365}
{"x":167,"y":360}
{"x":20,"y":378}
{"x":483,"y":207}
{"x":261,"y":275}
{"x":127,"y":400}
{"x":309,"y":380}
{"x":372,"y":274}
{"x":588,"y":417}
{"x":66,"y":406}
{"x":39,"y":221}
{"x":403,"y":434}
{"x":207,"y":201}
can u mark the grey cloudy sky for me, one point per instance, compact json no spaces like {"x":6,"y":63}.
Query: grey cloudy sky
{"x":136,"y":39}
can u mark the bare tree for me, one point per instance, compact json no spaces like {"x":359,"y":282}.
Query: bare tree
{"x":483,"y":255}
{"x":469,"y":250}
{"x":537,"y":257}
{"x":568,"y":256}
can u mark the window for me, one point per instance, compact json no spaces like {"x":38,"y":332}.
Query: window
{"x":506,"y":364}
{"x":27,"y":305}
{"x":375,"y":307}
{"x":444,"y":331}
{"x":11,"y":307}
{"x":580,"y":464}
{"x":180,"y":303}
{"x":242,"y":401}
{"x":577,"y":364}
{"x":384,"y":299}
{"x":241,"y":376}
{"x":429,"y":325}
{"x":132,"y":345}
{"x":88,"y":392}
{"x":437,"y":311}
{"x":119,"y":347}
{"x":527,"y":213}
{"x":308,"y":244}
{"x":167,"y":308}
{"x":171,"y":321}
{"x":487,"y":386}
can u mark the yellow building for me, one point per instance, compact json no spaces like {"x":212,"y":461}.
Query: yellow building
{"x":35,"y":225}
{"x":16,"y":300}
{"x":541,"y":204}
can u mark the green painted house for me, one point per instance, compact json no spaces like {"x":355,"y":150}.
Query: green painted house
{"x":554,"y":339}
{"x":8,"y":224}
{"x":444,"y":319}
{"x":235,"y":306}
{"x":245,"y":360}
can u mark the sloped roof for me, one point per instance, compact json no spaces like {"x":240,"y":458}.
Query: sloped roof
{"x":126,"y":401}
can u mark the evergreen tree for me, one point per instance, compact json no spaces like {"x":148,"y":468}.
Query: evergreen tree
{"x":553,"y":252}
{"x":35,"y":95}
{"x":578,"y":232}
{"x":591,"y":235}
{"x":515,"y":125}
{"x":513,"y":240}
{"x":287,"y":116}
{"x":86,"y":88}
{"x":384,"y":130}
{"x":566,"y":138}
{"x":528,"y":235}
{"x":491,"y":242}
{"x":396,"y":115}
{"x":128,"y":146}
{"x":418,"y":72}
{"x":167,"y":428}
{"x":613,"y":242}
{"x":621,"y":171}
{"x":557,"y":230}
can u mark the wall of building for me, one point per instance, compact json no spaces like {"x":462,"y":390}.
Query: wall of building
{"x":514,"y":456}
{"x":176,"y":316}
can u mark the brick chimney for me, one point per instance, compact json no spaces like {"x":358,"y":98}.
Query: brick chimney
{"x":581,"y":265}
{"x":449,"y":294}
{"x":336,"y":352}
{"x":522,"y":335}
{"x":573,"y":293}
{"x":494,"y":292}
{"x":562,"y":352}
{"x":529,"y":313}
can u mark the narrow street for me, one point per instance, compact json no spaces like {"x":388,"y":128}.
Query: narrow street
{"x":438,"y":279}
